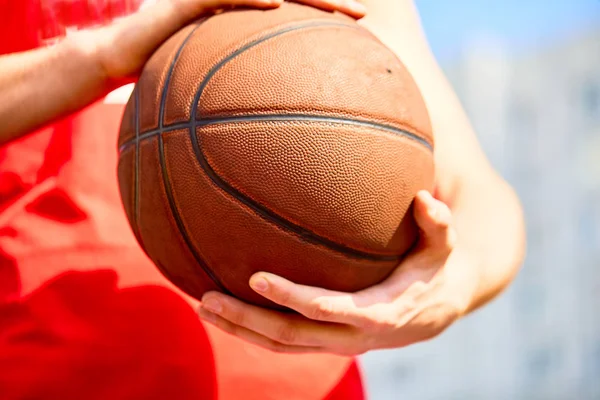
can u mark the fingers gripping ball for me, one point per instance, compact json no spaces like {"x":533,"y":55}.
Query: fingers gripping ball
{"x":290,"y":141}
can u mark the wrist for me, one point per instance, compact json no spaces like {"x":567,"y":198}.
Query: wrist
{"x":466,"y":272}
{"x":122,"y":48}
{"x":109,"y":55}
{"x":84,"y":49}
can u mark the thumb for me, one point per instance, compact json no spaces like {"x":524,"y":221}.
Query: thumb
{"x":435,"y":222}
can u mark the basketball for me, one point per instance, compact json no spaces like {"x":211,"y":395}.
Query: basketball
{"x":290,"y":141}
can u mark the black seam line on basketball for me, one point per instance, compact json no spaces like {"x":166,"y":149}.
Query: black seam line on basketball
{"x":136,"y":187}
{"x":317,"y":118}
{"x":260,"y":210}
{"x":283,"y":118}
{"x":220,"y":64}
{"x":165,"y":176}
{"x":163,"y":95}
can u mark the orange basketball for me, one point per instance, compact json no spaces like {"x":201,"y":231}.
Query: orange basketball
{"x":289,"y":140}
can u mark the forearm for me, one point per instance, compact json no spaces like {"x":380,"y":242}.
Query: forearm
{"x":491,"y":232}
{"x":44,"y":84}
{"x":486,"y":211}
{"x":41,"y":85}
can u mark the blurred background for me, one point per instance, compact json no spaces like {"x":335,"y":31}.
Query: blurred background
{"x":528,"y":75}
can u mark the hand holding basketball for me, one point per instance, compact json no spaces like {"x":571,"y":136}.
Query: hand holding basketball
{"x":124,"y":47}
{"x":429,"y":290}
{"x":193,"y":8}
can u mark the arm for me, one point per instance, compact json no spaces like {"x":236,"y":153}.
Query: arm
{"x":41,"y":85}
{"x":59,"y":80}
{"x":487,"y":214}
{"x":470,"y":247}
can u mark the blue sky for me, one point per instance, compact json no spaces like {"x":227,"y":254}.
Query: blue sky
{"x":520,"y":23}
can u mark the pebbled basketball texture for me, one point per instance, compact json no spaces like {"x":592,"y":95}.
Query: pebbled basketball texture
{"x":289,"y":140}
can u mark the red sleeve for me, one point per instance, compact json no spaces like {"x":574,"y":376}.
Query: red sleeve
{"x":26,"y":24}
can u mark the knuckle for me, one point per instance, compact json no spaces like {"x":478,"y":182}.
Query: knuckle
{"x":368,"y":324}
{"x":345,"y":352}
{"x":378,"y":323}
{"x":385,"y":324}
{"x":227,"y":327}
{"x":282,"y":297}
{"x":451,"y":239}
{"x":286,"y":333}
{"x":237,"y":317}
{"x":272,"y":346}
{"x":361,"y":344}
{"x":359,"y":351}
{"x":352,"y":351}
{"x":321,"y":310}
{"x":442,"y":226}
{"x":443,"y":218}
{"x":430,"y":334}
{"x":442,"y":229}
{"x":275,"y":347}
{"x":445,"y":211}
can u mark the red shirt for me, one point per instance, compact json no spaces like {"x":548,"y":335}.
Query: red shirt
{"x":83,"y":313}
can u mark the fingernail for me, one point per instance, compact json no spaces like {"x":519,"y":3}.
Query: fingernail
{"x":212,"y":305}
{"x":428,"y":199}
{"x":259,"y":284}
{"x":427,"y":196}
{"x":357,"y":7}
